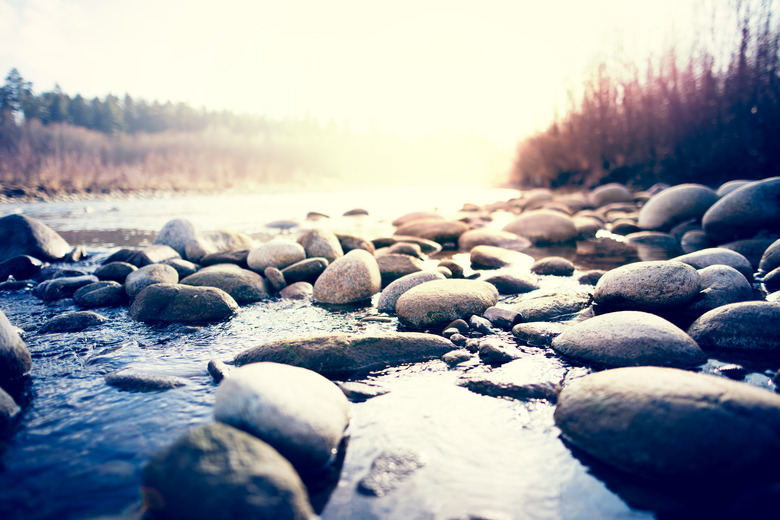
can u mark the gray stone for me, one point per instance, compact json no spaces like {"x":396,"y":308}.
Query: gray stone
{"x":279,"y":253}
{"x":130,"y":381}
{"x":642,"y":420}
{"x":454,"y":357}
{"x":770,"y":260}
{"x":358,"y":392}
{"x":552,"y":307}
{"x":275,"y":278}
{"x":20,"y":267}
{"x":218,"y":370}
{"x":215,"y":242}
{"x":745,"y":212}
{"x":416,"y":215}
{"x":61,"y":288}
{"x":441,"y":301}
{"x":298,"y":291}
{"x":23,"y":235}
{"x":428,"y":247}
{"x":321,"y":243}
{"x":675,"y":205}
{"x":9,"y":410}
{"x":149,"y":275}
{"x":182,"y":304}
{"x":218,"y":472}
{"x":345,"y":354}
{"x":729,"y":186}
{"x":350,"y":242}
{"x":15,"y":360}
{"x":539,"y":333}
{"x":492,"y":237}
{"x":495,"y":352}
{"x":553,"y":265}
{"x":115,"y":271}
{"x":226,"y":257}
{"x":305,"y":271}
{"x":629,"y":338}
{"x":100,"y":294}
{"x":718,"y":256}
{"x":402,"y":248}
{"x":523,"y":379}
{"x":243,"y":285}
{"x":183,"y":267}
{"x":544,"y":226}
{"x":772,"y":280}
{"x":695,"y":240}
{"x":437,"y":230}
{"x":392,"y":292}
{"x":610,"y":193}
{"x":152,"y":255}
{"x":744,"y":326}
{"x":456,"y":270}
{"x":591,"y":277}
{"x":388,"y":470}
{"x":176,"y":233}
{"x":587,"y":226}
{"x":751,"y":248}
{"x":513,"y":282}
{"x":480,"y":324}
{"x":352,"y":278}
{"x":394,"y":266}
{"x":647,"y":286}
{"x":298,"y":412}
{"x":720,"y":285}
{"x":492,"y":257}
{"x":72,"y":322}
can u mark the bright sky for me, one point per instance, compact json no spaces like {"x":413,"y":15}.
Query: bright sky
{"x":490,"y":68}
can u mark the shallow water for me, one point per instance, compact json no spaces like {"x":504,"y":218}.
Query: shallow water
{"x":80,"y":446}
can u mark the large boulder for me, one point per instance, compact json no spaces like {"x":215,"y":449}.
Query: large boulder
{"x":216,"y":471}
{"x":164,"y":302}
{"x":298,"y":412}
{"x":353,"y":278}
{"x":22,"y":235}
{"x":672,"y":425}
{"x":15,"y":360}
{"x":629,"y":338}
{"x":647,"y":286}
{"x":345,"y":354}
{"x":743,"y":327}
{"x":441,"y":301}
{"x":279,"y":253}
{"x":437,"y":230}
{"x":392,"y":292}
{"x":243,"y":285}
{"x":149,"y":275}
{"x":677,"y":204}
{"x":176,"y":233}
{"x":544,"y":227}
{"x":746,"y":211}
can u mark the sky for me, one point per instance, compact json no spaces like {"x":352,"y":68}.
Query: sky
{"x":489,"y":68}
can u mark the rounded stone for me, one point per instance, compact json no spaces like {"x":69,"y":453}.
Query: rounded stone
{"x":513,"y":282}
{"x":100,"y":294}
{"x":629,"y":338}
{"x":394,"y":266}
{"x":243,"y":285}
{"x":216,"y":471}
{"x":352,"y":278}
{"x":492,"y":237}
{"x":643,"y":420}
{"x":9,"y":410}
{"x":544,"y":226}
{"x":21,"y":267}
{"x":553,"y":265}
{"x":275,"y":278}
{"x":131,"y":381}
{"x":492,"y":257}
{"x":176,"y":303}
{"x":553,"y":306}
{"x":15,"y":359}
{"x":279,"y":253}
{"x":744,"y":326}
{"x":437,"y":230}
{"x":23,"y":235}
{"x":770,"y":260}
{"x":297,"y":291}
{"x":176,"y":233}
{"x":745,"y":212}
{"x":392,"y":292}
{"x":647,"y":286}
{"x":61,"y":288}
{"x":183,"y":267}
{"x":442,"y":301}
{"x":610,"y":193}
{"x":215,"y":242}
{"x":416,"y":215}
{"x":695,"y":240}
{"x":149,"y":275}
{"x":321,"y":243}
{"x":718,"y":256}
{"x":720,"y":285}
{"x":72,"y":322}
{"x":305,"y":271}
{"x":677,"y":204}
{"x":115,"y":271}
{"x":298,"y":412}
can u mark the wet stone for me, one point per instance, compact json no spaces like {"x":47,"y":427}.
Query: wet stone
{"x":745,"y":212}
{"x":456,"y":356}
{"x":23,"y":235}
{"x":176,"y":233}
{"x":591,"y":277}
{"x":544,"y":227}
{"x":358,"y":392}
{"x":101,"y":294}
{"x":501,"y":317}
{"x":770,"y":260}
{"x":218,"y":370}
{"x":353,"y":278}
{"x":215,"y":242}
{"x":72,"y":322}
{"x":130,"y":381}
{"x":740,"y":327}
{"x":437,"y":230}
{"x":149,"y":275}
{"x":404,"y":248}
{"x":279,"y":253}
{"x":394,"y":266}
{"x":480,"y":324}
{"x":61,"y":288}
{"x":389,"y":470}
{"x":183,"y":267}
{"x":350,"y":242}
{"x":243,"y":285}
{"x":676,"y":204}
{"x":392,"y":292}
{"x":275,"y":278}
{"x":20,"y":267}
{"x":718,"y":256}
{"x":460,"y":325}
{"x":513,"y":283}
{"x":226,"y":257}
{"x":115,"y":271}
{"x":492,"y":257}
{"x":174,"y":303}
{"x":538,"y":334}
{"x":695,"y":240}
{"x":305,"y":271}
{"x":492,"y":237}
{"x":298,"y":291}
{"x":720,"y":285}
{"x":455,"y":268}
{"x":15,"y":360}
{"x":153,"y":254}
{"x":732,"y":371}
{"x":9,"y":410}
{"x":321,"y":243}
{"x":442,"y":301}
{"x":553,"y":265}
{"x":552,"y":307}
{"x":495,"y":352}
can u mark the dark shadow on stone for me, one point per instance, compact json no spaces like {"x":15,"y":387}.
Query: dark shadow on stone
{"x":321,"y":482}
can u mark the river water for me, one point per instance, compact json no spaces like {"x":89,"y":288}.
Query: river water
{"x":80,"y":447}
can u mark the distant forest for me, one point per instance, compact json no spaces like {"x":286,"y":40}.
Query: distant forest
{"x":706,"y":115}
{"x":52,"y":143}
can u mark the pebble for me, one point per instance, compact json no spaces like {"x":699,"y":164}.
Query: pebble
{"x":502,"y":317}
{"x":279,"y":253}
{"x":305,"y":271}
{"x":72,"y":322}
{"x":115,"y":271}
{"x":493,"y":351}
{"x":441,"y":301}
{"x":298,"y":291}
{"x":455,"y":357}
{"x":101,"y":294}
{"x":275,"y":278}
{"x":149,"y":275}
{"x":218,"y":370}
{"x":553,"y":265}
{"x":492,"y":257}
{"x":552,"y":307}
{"x":538,"y":334}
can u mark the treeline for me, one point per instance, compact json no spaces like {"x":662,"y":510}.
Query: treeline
{"x":706,"y":116}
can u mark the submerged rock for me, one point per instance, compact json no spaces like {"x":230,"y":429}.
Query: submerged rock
{"x":642,"y":420}
{"x":72,"y":322}
{"x":629,"y":338}
{"x":441,"y":301}
{"x":23,"y":235}
{"x":298,"y":412}
{"x":139,"y":382}
{"x":165,"y":302}
{"x":388,"y":470}
{"x":345,"y":354}
{"x":352,"y":278}
{"x":358,"y":392}
{"x":540,"y":333}
{"x":552,"y":307}
{"x":216,"y":471}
